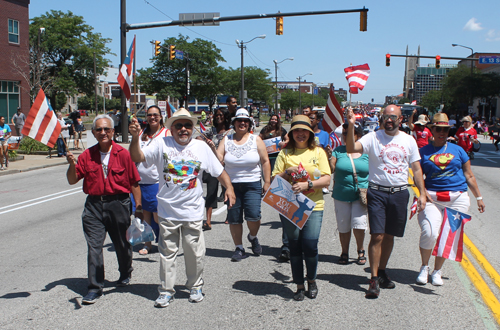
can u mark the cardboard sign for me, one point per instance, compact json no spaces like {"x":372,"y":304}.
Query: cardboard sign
{"x":272,"y":145}
{"x":295,"y":207}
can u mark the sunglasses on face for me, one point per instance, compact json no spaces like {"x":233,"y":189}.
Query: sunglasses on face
{"x":246,"y":121}
{"x":105,"y":129}
{"x":442,"y":129}
{"x":391,"y":117}
{"x":153,"y":115}
{"x":179,"y":126}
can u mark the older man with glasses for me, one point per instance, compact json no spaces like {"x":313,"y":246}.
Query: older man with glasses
{"x":390,"y":152}
{"x":180,"y":161}
{"x":109,"y":175}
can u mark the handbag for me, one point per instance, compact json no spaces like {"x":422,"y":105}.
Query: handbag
{"x":360,"y":191}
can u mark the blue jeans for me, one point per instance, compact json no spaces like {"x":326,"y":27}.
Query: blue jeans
{"x":248,"y":200}
{"x":303,"y":246}
{"x":61,"y":148}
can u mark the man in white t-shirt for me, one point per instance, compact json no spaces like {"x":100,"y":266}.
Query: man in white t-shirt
{"x":391,"y":152}
{"x":180,"y":161}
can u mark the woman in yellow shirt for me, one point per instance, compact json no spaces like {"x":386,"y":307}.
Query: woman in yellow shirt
{"x":303,"y":244}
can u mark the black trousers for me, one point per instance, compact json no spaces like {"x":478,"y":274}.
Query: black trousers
{"x":98,"y":218}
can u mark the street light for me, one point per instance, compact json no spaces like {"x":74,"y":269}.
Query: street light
{"x":471,"y":66}
{"x":276,"y":78}
{"x":241,"y":45}
{"x":300,"y":95}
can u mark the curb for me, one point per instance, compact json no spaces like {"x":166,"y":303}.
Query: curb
{"x":7,"y":172}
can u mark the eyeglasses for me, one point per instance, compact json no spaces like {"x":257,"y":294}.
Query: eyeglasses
{"x":153,"y":115}
{"x":246,"y":121}
{"x":441,"y":129}
{"x":179,"y":126}
{"x":105,"y":129}
{"x":312,"y":118}
{"x":391,"y":117}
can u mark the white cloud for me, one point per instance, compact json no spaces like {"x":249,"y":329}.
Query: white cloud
{"x":493,"y":35}
{"x":472,"y":25}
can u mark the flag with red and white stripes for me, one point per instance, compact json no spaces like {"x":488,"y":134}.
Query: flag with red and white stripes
{"x":334,"y":114}
{"x":413,"y":209}
{"x":125,"y":74}
{"x":41,"y":123}
{"x":450,"y":242}
{"x":335,"y":141}
{"x":202,"y":128}
{"x":357,"y":76}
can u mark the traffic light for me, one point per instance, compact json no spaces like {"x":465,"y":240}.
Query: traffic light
{"x":157,"y":47}
{"x":363,"y":21}
{"x":438,"y":61}
{"x":171,"y":53}
{"x":387,"y":59}
{"x":279,"y":25}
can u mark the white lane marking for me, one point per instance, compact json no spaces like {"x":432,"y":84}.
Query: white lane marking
{"x":35,"y":199}
{"x":489,"y":160}
{"x":40,"y":202}
{"x":219,"y":211}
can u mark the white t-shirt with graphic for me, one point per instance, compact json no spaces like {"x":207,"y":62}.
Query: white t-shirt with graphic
{"x":180,"y":196}
{"x":390,"y":157}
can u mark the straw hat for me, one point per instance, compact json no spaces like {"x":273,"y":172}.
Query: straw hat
{"x":440,"y":120}
{"x":422,"y":120}
{"x":301,"y":121}
{"x":180,"y":114}
{"x":467,"y":118}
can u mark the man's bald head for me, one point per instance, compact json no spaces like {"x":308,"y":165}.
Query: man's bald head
{"x":392,"y":110}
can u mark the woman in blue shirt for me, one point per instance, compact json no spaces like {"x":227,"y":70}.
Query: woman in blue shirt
{"x":5,"y":132}
{"x":448,"y":173}
{"x":349,"y":211}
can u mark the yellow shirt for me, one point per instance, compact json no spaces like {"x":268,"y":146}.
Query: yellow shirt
{"x":311,"y":160}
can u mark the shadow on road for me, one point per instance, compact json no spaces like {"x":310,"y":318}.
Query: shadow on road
{"x":14,"y":295}
{"x":264,"y":288}
{"x":346,"y":281}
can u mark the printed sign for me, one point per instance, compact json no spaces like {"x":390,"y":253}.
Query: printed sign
{"x":295,"y":207}
{"x":272,"y":145}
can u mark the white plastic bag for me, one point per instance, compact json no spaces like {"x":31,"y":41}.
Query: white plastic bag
{"x":139,"y":232}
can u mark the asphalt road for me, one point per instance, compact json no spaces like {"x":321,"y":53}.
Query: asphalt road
{"x":43,"y":273}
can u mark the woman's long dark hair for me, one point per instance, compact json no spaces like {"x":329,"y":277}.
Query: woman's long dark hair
{"x":268,"y":128}
{"x":147,"y":129}
{"x":311,"y":141}
{"x":227,"y":117}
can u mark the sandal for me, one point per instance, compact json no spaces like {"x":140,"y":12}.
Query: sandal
{"x":206,"y":226}
{"x":361,"y":257}
{"x":145,"y":250}
{"x":344,"y":259}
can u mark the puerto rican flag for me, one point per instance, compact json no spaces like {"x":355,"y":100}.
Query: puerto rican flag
{"x":170,"y":110}
{"x":202,"y":128}
{"x":450,"y":242}
{"x":413,"y":208}
{"x":334,"y":141}
{"x":414,"y":102}
{"x":41,"y":123}
{"x":334,"y":114}
{"x":357,"y":76}
{"x":125,"y":74}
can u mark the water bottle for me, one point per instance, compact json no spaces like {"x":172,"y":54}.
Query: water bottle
{"x":316,"y":174}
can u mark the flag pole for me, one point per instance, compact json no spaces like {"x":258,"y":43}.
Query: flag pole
{"x":135,"y":68}
{"x":201,"y":132}
{"x":350,"y":94}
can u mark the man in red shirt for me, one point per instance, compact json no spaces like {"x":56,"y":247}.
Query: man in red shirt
{"x":421,"y":133}
{"x":109,"y":175}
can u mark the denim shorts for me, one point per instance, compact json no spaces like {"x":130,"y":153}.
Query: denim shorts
{"x":248,"y":202}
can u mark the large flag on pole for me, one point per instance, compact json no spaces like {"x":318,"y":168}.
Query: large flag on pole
{"x":42,"y":124}
{"x":125,"y":74}
{"x":334,"y":114}
{"x":170,"y":110}
{"x":450,"y":242}
{"x":356,"y":77}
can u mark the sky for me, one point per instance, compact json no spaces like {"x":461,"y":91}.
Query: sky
{"x":322,"y":45}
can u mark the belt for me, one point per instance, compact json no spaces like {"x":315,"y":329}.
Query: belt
{"x":391,"y":190}
{"x":108,"y":198}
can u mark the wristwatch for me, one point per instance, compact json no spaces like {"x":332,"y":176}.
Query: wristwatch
{"x":310,"y":184}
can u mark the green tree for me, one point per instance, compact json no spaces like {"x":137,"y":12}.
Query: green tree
{"x":62,"y":56}
{"x":404,"y":100}
{"x":432,"y":100}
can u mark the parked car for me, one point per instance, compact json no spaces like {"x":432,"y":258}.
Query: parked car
{"x":83,"y":112}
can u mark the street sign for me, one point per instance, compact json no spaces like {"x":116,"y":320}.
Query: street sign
{"x":179,"y":54}
{"x":191,"y":16}
{"x":471,"y":109}
{"x":492,"y":59}
{"x":162,"y":105}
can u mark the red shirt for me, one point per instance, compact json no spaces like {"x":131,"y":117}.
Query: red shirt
{"x":464,"y":138}
{"x":422,"y":135}
{"x":122,"y":172}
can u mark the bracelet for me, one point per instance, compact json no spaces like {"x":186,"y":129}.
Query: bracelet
{"x":480,"y":198}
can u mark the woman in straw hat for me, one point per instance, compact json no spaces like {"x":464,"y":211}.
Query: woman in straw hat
{"x":418,"y":130}
{"x":448,"y":174}
{"x":303,"y":244}
{"x":466,"y":135}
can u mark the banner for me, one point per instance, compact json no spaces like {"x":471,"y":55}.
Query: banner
{"x":295,"y":207}
{"x":273,"y":144}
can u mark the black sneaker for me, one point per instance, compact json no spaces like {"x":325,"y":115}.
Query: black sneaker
{"x":91,"y":297}
{"x":299,"y":295}
{"x":312,"y":290}
{"x":284,"y":256}
{"x":123,"y":282}
{"x":374,"y":289}
{"x":239,"y":254}
{"x":256,"y":248}
{"x":385,"y":282}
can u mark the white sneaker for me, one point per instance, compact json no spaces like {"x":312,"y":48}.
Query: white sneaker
{"x":436,"y":278}
{"x":163,"y":300}
{"x":423,"y":276}
{"x":325,"y":191}
{"x":196,"y":295}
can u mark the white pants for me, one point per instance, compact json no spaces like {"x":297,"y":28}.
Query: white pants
{"x":431,"y":218}
{"x":350,"y":215}
{"x":193,"y":245}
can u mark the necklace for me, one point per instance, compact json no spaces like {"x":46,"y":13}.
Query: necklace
{"x":445,"y":146}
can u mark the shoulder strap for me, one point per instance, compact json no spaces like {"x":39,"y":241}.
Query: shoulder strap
{"x":354,"y":175}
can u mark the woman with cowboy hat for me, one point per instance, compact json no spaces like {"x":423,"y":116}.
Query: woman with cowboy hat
{"x":421,"y":133}
{"x":448,"y":174}
{"x":466,"y":135}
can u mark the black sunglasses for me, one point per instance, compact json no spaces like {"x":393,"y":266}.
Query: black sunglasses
{"x":106,"y":129}
{"x":391,"y":117}
{"x":442,"y":129}
{"x":243,"y":120}
{"x":179,"y":126}
{"x":153,"y":115}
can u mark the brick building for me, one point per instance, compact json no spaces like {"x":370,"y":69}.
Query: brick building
{"x":14,"y":43}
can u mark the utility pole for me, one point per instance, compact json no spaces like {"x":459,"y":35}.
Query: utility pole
{"x":95,"y":86}
{"x":241,"y":45}
{"x":188,"y":85}
{"x":276,"y":79}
